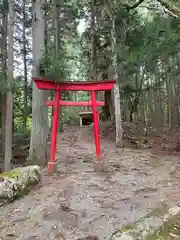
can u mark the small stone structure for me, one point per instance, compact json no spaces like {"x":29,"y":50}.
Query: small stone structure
{"x":87,"y":116}
{"x":18,"y":182}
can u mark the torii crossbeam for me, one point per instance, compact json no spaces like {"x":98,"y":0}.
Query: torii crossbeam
{"x":91,"y":86}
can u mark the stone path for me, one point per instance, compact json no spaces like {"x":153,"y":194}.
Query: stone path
{"x":79,"y":202}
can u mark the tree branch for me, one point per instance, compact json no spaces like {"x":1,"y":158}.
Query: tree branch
{"x":172,"y":10}
{"x":133,"y":6}
{"x":152,"y":8}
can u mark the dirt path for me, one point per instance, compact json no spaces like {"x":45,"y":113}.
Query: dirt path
{"x":78,"y":202}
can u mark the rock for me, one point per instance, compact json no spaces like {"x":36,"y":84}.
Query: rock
{"x":18,"y":182}
{"x":162,"y":223}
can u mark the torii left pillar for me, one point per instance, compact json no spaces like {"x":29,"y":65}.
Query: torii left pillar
{"x":52,"y":164}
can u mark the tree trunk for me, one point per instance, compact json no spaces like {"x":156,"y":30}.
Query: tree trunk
{"x":175,"y":103}
{"x":56,"y":35}
{"x":117,"y":102}
{"x":25,"y":67}
{"x":93,"y":41}
{"x":169,"y":103}
{"x":131,"y":115}
{"x":4,"y":70}
{"x":9,"y":97}
{"x":46,"y":22}
{"x":177,"y":97}
{"x":107,"y":105}
{"x":39,"y":131}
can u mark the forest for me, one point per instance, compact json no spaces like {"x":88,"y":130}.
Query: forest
{"x":134,"y":42}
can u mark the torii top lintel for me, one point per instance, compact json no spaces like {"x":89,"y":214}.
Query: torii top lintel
{"x":44,"y":84}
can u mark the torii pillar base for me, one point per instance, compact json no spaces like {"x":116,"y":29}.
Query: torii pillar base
{"x":99,"y":166}
{"x":52,"y":167}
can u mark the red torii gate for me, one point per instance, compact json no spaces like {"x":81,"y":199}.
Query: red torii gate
{"x":91,"y":86}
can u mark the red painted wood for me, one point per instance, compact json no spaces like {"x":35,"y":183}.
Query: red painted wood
{"x":44,"y":84}
{"x":75,"y":104}
{"x":54,"y":131}
{"x":96,"y":125}
{"x":74,"y":86}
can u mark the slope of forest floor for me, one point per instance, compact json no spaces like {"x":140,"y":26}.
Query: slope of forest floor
{"x":78,"y":202}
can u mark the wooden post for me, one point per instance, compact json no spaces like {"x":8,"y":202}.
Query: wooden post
{"x":96,"y":125}
{"x":54,"y":131}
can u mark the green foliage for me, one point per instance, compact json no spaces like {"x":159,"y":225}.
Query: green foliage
{"x":147,"y":46}
{"x":63,"y":65}
{"x":18,"y":105}
{"x":70,"y":115}
{"x":54,"y":67}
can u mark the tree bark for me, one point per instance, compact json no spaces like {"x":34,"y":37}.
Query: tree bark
{"x":56,"y":34}
{"x":39,"y":131}
{"x":9,"y":97}
{"x":4,"y":70}
{"x":93,"y":41}
{"x":117,"y":102}
{"x":25,"y":66}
